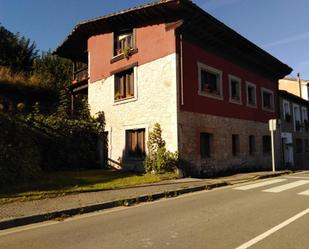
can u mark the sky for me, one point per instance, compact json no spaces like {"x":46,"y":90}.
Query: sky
{"x":278,"y":26}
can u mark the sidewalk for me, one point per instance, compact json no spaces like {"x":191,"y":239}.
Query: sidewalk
{"x":22,"y":213}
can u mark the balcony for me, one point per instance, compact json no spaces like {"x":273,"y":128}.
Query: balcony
{"x":80,"y":75}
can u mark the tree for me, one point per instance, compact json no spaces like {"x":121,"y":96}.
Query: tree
{"x":17,"y":52}
{"x":159,"y":159}
{"x":51,"y":71}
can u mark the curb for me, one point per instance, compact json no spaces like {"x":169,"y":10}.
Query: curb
{"x":26,"y":220}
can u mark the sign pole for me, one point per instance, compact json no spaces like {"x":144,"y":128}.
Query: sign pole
{"x":273,"y":150}
{"x":272,"y":128}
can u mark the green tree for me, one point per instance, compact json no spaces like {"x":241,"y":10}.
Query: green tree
{"x":51,"y":71}
{"x":159,"y":159}
{"x":17,"y":52}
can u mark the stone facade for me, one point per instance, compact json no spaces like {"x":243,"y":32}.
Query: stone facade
{"x":222,"y":159}
{"x":154,"y":101}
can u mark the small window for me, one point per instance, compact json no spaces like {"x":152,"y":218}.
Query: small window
{"x":296,"y":115}
{"x":135,"y":143}
{"x":306,"y":145}
{"x":251,"y":145}
{"x":123,"y":41}
{"x":235,"y":89}
{"x":299,"y":145}
{"x":210,"y":81}
{"x":124,"y":85}
{"x":266,"y":144}
{"x":205,"y":145}
{"x":286,"y":110}
{"x":251,"y":94}
{"x":267,"y":100}
{"x":235,"y":145}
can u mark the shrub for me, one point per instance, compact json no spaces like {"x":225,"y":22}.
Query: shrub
{"x":19,"y":153}
{"x":159,"y":159}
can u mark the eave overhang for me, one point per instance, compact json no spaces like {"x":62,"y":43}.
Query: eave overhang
{"x":198,"y":26}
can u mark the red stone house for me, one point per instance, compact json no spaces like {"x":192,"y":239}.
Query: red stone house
{"x":170,"y":62}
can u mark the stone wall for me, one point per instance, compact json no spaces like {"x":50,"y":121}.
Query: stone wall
{"x":154,"y":101}
{"x":222,"y":159}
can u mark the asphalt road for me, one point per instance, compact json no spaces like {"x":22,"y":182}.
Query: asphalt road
{"x":271,"y":214}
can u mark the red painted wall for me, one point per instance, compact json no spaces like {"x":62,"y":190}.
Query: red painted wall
{"x":153,"y":42}
{"x":200,"y":104}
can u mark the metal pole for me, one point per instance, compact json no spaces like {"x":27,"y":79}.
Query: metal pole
{"x":273,"y":150}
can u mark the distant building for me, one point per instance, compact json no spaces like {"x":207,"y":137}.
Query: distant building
{"x":170,"y":62}
{"x":294,"y":130}
{"x":297,"y":87}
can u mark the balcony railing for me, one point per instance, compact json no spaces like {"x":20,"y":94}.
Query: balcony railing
{"x":80,"y":75}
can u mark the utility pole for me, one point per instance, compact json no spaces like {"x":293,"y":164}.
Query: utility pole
{"x":299,"y":83}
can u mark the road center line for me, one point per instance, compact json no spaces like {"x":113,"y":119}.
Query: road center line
{"x":287,"y":186}
{"x":273,"y":230}
{"x":259,"y":184}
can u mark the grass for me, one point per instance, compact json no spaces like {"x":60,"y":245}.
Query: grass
{"x":62,"y":183}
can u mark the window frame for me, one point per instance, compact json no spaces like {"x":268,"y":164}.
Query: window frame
{"x":303,"y":108}
{"x":250,"y":84}
{"x":266,"y":150}
{"x":132,"y":32}
{"x":127,"y":152}
{"x":211,"y":70}
{"x":252,"y":145}
{"x":205,"y":156}
{"x":265,"y":90}
{"x":235,"y":145}
{"x":295,"y":118}
{"x":286,"y":111}
{"x":127,"y":99}
{"x":235,"y":78}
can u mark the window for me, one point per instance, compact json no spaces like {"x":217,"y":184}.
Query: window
{"x":306,"y":145}
{"x":123,"y":41}
{"x":251,"y":145}
{"x":235,"y":145}
{"x":266,"y":144}
{"x":210,"y":81}
{"x":124,"y":85}
{"x":251,"y":94}
{"x":135,"y":143}
{"x":286,"y":110}
{"x":299,"y":145}
{"x":304,"y":115}
{"x":296,"y":115}
{"x":267,"y":100}
{"x":235,"y":89}
{"x":205,"y":145}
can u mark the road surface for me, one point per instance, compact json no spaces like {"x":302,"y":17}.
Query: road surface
{"x":272,"y":213}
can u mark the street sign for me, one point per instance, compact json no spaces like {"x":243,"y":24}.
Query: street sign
{"x":272,"y":124}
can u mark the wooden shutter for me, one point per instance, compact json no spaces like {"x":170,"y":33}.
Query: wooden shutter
{"x":131,"y":83}
{"x":121,"y":85}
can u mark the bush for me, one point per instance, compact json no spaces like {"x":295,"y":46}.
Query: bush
{"x":19,"y":154}
{"x":159,"y":159}
{"x":66,"y":143}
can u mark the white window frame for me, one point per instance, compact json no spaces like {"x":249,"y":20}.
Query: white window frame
{"x":294,"y":115}
{"x":234,"y":78}
{"x":212,"y":70}
{"x":286,"y":111}
{"x":247,"y":96}
{"x":272,"y":109}
{"x":135,"y":97}
{"x":304,"y":113}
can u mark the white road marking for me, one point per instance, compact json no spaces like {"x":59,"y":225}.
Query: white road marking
{"x":273,"y":230}
{"x":260,"y":184}
{"x":286,"y":186}
{"x":299,"y":177}
{"x":305,"y":192}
